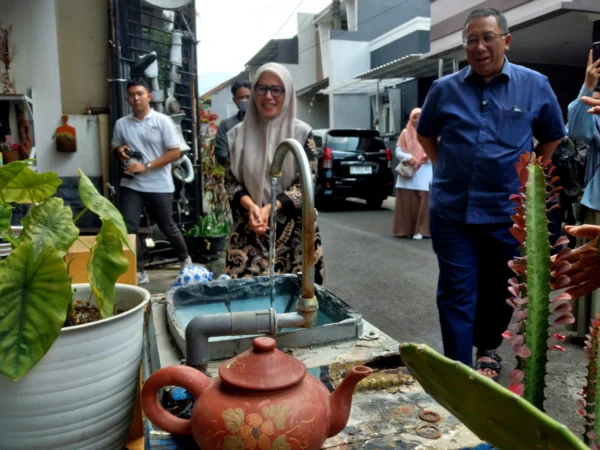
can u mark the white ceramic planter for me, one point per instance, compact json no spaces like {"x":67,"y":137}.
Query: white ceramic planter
{"x":5,"y":247}
{"x":81,"y":395}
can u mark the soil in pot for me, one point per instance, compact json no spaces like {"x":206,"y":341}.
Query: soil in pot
{"x":83,"y":313}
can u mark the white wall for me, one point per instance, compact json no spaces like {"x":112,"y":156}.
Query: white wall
{"x":307,"y":51}
{"x":348,"y":58}
{"x":222,"y":103}
{"x":324,"y":41}
{"x":316,"y":115}
{"x":37,"y":67}
{"x":352,"y":15}
{"x":87,"y":157}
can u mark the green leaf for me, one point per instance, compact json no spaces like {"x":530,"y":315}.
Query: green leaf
{"x":20,"y":184}
{"x":34,"y":296}
{"x":50,"y":224}
{"x":95,"y":202}
{"x":5,"y":216}
{"x":512,"y":424}
{"x":107,"y":263}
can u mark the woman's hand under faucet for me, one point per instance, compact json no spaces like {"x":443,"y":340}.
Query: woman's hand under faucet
{"x":256,"y":219}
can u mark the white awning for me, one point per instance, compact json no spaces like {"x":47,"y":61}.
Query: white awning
{"x":409,"y":66}
{"x":357,"y":86}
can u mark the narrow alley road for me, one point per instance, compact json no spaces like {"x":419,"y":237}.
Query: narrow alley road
{"x":392,"y":282}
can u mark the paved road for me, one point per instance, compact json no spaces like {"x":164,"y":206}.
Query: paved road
{"x":392,"y":282}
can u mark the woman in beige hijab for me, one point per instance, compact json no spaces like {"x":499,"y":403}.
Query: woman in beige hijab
{"x":271,"y":118}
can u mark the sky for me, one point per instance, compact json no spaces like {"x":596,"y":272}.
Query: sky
{"x":231,"y":32}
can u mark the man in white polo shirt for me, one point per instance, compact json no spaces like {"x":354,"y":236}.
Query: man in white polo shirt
{"x":147,"y":181}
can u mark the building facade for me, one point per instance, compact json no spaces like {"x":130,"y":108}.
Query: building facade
{"x":331,"y":49}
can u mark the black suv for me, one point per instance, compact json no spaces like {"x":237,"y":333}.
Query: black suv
{"x":353,"y":163}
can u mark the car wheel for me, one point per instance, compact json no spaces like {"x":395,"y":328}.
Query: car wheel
{"x":374,"y":202}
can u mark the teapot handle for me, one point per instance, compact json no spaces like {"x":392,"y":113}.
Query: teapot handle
{"x":194,"y":381}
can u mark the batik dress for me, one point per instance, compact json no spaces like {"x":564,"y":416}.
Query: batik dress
{"x":248,"y":253}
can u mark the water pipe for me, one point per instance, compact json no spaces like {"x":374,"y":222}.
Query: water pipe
{"x":202,"y":327}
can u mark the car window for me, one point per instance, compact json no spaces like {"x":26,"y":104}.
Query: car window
{"x":349,"y":143}
{"x":318,"y":140}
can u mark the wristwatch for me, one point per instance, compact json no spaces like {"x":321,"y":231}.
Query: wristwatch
{"x":148,"y":166}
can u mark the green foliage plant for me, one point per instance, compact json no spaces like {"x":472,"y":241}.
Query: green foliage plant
{"x":35,"y":285}
{"x":209,"y":226}
{"x":218,"y":219}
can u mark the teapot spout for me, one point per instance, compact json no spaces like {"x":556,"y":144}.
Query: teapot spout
{"x":340,"y":400}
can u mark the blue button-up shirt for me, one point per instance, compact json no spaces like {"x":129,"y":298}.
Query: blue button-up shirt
{"x":483,"y":130}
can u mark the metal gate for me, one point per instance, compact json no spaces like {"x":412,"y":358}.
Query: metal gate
{"x":137,"y":29}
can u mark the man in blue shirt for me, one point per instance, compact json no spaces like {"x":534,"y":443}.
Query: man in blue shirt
{"x":485,"y":115}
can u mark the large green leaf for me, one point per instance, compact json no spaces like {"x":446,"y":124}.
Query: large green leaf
{"x":34,"y":296}
{"x":18,"y":183}
{"x":95,"y":202}
{"x":50,"y":224}
{"x":107,"y":263}
{"x":5,"y":216}
{"x":512,"y":424}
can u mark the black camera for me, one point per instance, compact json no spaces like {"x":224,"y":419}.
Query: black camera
{"x":134,"y":156}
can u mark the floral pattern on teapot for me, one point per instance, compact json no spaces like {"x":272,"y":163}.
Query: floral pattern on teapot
{"x":251,"y":431}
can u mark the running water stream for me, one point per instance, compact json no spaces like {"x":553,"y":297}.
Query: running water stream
{"x":272,"y":236}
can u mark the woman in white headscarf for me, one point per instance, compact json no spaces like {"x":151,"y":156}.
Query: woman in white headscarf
{"x":270,"y":119}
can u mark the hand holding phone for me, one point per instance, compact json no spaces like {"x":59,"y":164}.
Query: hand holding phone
{"x":596,"y":51}
{"x":592,"y":74}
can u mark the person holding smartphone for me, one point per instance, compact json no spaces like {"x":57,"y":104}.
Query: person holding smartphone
{"x":586,"y":128}
{"x":241,"y":96}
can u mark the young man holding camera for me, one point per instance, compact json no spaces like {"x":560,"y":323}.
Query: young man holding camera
{"x":147,"y":142}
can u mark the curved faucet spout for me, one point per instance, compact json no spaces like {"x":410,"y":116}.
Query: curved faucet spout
{"x":308,"y":303}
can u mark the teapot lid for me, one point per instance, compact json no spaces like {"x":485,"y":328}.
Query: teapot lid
{"x":262,"y":368}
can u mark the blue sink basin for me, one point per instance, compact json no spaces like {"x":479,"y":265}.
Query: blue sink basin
{"x":336,"y":320}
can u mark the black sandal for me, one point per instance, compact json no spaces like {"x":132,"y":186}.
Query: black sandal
{"x":495,"y":365}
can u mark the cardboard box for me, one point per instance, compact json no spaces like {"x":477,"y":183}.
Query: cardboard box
{"x":80,"y":255}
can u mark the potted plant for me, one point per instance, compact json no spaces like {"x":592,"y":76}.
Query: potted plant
{"x":210,"y":234}
{"x":69,"y":354}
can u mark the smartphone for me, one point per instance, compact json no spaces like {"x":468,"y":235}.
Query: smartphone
{"x":596,"y":51}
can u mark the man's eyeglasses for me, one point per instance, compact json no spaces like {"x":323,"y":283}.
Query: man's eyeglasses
{"x":262,"y":89}
{"x":487,"y":40}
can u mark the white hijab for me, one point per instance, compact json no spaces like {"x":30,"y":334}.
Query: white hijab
{"x":253,"y":142}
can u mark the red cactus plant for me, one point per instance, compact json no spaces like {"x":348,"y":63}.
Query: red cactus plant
{"x":536,"y":304}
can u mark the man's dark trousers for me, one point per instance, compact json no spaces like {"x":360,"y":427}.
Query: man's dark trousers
{"x":161,"y":208}
{"x":473,"y":284}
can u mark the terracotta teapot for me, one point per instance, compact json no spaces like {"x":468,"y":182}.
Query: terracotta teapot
{"x":262,"y":399}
